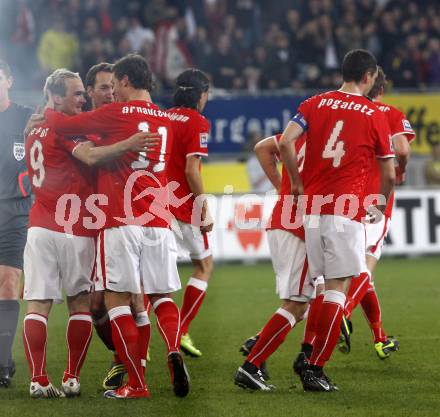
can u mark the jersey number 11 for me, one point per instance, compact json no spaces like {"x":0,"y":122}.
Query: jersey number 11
{"x":143,"y":162}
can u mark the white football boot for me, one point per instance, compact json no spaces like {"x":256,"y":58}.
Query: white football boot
{"x":72,"y":387}
{"x":49,"y":391}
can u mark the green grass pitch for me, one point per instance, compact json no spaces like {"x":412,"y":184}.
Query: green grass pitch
{"x":240,"y":299}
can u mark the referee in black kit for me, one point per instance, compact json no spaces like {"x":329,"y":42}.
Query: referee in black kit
{"x":15,"y":202}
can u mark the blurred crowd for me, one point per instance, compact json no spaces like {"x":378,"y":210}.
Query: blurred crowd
{"x":250,"y":45}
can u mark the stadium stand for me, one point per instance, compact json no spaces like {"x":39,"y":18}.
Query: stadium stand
{"x":244,"y":44}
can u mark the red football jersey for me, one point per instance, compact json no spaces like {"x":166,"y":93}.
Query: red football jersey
{"x":191,"y":131}
{"x":135,"y":183}
{"x":277,"y":221}
{"x":54,"y":172}
{"x":345,"y":133}
{"x":399,"y":125}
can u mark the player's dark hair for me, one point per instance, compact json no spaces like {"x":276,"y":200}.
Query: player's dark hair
{"x":5,"y":68}
{"x":93,"y":71}
{"x":356,"y":64}
{"x":379,"y":84}
{"x":190,"y":85}
{"x":136,"y":68}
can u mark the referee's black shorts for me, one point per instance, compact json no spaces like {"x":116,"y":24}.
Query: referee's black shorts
{"x":14,"y":216}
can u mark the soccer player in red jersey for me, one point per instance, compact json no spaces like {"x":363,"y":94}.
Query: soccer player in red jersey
{"x":362,"y":290}
{"x":194,"y":222}
{"x":345,"y":134}
{"x":136,"y":244}
{"x":295,"y":286}
{"x":59,"y":253}
{"x":99,"y":86}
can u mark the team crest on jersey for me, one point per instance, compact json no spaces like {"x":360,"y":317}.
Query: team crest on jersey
{"x":18,"y":151}
{"x":406,"y":125}
{"x":204,"y":140}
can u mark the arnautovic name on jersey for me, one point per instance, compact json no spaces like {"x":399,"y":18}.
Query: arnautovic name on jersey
{"x":144,"y":110}
{"x":347,"y":105}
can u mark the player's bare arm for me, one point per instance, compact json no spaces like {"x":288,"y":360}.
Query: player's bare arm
{"x":387,"y":179}
{"x":288,"y":156}
{"x":91,"y":155}
{"x":192,"y":174}
{"x":402,"y":151}
{"x":266,"y":151}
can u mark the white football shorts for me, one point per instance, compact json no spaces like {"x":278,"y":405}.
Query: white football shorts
{"x":54,"y":261}
{"x":191,"y":240}
{"x":289,"y":260}
{"x":335,"y":246}
{"x":131,"y":257}
{"x":375,"y":235}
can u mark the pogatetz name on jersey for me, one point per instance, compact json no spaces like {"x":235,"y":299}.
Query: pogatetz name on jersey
{"x":347,"y":105}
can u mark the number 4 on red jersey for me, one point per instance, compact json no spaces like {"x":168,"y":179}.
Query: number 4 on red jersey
{"x":345,"y":134}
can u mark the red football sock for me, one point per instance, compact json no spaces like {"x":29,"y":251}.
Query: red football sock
{"x":272,"y":335}
{"x":328,"y":328}
{"x":370,"y":305}
{"x":168,"y":322}
{"x":35,"y":340}
{"x":312,"y":320}
{"x":78,"y":336}
{"x":104,"y":331}
{"x":144,"y":329}
{"x":358,"y":288}
{"x":192,"y":300}
{"x":126,"y":338}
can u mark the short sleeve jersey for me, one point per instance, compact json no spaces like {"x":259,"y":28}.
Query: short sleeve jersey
{"x":191,"y":132}
{"x":13,"y":179}
{"x":399,"y":125}
{"x":284,"y":214}
{"x":133,"y":185}
{"x":345,"y":133}
{"x":54,"y":172}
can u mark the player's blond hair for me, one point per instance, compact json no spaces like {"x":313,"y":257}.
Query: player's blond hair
{"x":56,"y":82}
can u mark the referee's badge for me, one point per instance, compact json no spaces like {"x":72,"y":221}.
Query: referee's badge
{"x":18,"y":151}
